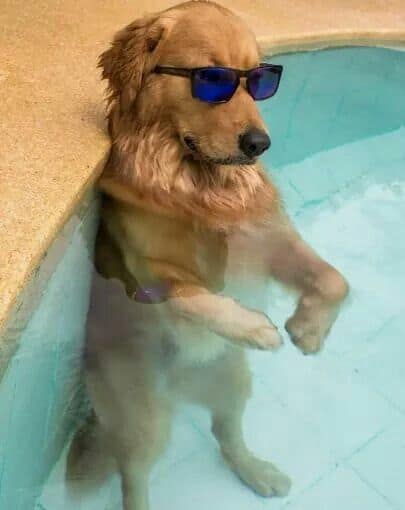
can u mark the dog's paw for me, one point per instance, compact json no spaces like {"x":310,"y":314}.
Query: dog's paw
{"x":261,"y":334}
{"x":266,"y":338}
{"x":263,"y":477}
{"x":310,"y":325}
{"x":316,"y":313}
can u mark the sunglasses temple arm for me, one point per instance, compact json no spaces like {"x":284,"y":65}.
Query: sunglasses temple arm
{"x":174,"y":71}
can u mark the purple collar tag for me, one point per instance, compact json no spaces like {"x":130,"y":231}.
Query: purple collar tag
{"x":153,"y":294}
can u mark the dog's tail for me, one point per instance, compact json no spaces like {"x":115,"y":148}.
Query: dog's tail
{"x":89,"y":463}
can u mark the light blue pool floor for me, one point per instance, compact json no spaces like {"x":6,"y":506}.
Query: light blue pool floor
{"x":336,"y":422}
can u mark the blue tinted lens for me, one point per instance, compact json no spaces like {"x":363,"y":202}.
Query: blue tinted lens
{"x":263,"y":82}
{"x":214,"y":84}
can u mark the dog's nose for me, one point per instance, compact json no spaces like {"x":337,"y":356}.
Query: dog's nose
{"x":254,"y":142}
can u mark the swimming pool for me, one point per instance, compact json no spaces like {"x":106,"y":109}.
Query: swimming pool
{"x":335,"y":423}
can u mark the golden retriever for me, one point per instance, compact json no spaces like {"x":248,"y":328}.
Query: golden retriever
{"x":187,"y":210}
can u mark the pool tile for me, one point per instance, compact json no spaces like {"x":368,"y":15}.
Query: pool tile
{"x":292,"y":198}
{"x":343,"y":489}
{"x":358,"y":320}
{"x":298,"y":180}
{"x":200,"y":482}
{"x":344,"y":411}
{"x":185,"y":441}
{"x":381,"y":464}
{"x":277,"y":433}
{"x":382,"y":366}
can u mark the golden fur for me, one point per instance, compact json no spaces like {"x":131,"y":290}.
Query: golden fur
{"x":205,"y":220}
{"x":149,"y":113}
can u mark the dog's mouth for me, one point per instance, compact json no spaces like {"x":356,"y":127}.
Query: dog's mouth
{"x":196,"y":153}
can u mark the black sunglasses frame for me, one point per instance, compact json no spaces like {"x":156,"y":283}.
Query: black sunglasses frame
{"x":239,"y":73}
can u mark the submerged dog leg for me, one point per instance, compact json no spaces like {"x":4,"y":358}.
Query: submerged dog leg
{"x":260,"y":475}
{"x":227,"y":403}
{"x":137,"y":447}
{"x":225,"y":317}
{"x":134,"y":485}
{"x":322,"y":288}
{"x":134,"y":417}
{"x":225,"y":391}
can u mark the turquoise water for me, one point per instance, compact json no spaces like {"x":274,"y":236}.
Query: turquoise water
{"x":336,"y":422}
{"x":38,"y":390}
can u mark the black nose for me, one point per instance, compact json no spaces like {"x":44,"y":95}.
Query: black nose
{"x":254,"y":142}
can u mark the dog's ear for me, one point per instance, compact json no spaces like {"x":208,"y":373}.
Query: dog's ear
{"x":132,"y":55}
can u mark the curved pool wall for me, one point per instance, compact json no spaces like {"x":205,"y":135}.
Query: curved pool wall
{"x":40,"y":361}
{"x":338,"y":156}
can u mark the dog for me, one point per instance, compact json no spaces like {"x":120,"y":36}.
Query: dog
{"x":189,"y":219}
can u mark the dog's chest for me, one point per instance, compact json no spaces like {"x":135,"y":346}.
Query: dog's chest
{"x":234,"y":264}
{"x":231,"y":263}
{"x":247,"y":274}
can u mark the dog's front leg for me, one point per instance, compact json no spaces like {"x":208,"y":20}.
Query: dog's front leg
{"x":134,"y":490}
{"x":321,"y":287}
{"x":224,"y":316}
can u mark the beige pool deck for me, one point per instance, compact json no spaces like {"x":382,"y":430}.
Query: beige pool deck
{"x":52,"y":137}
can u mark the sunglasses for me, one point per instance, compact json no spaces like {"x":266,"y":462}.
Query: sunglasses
{"x":218,"y":84}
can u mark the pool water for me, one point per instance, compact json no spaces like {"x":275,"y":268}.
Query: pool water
{"x":336,"y":422}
